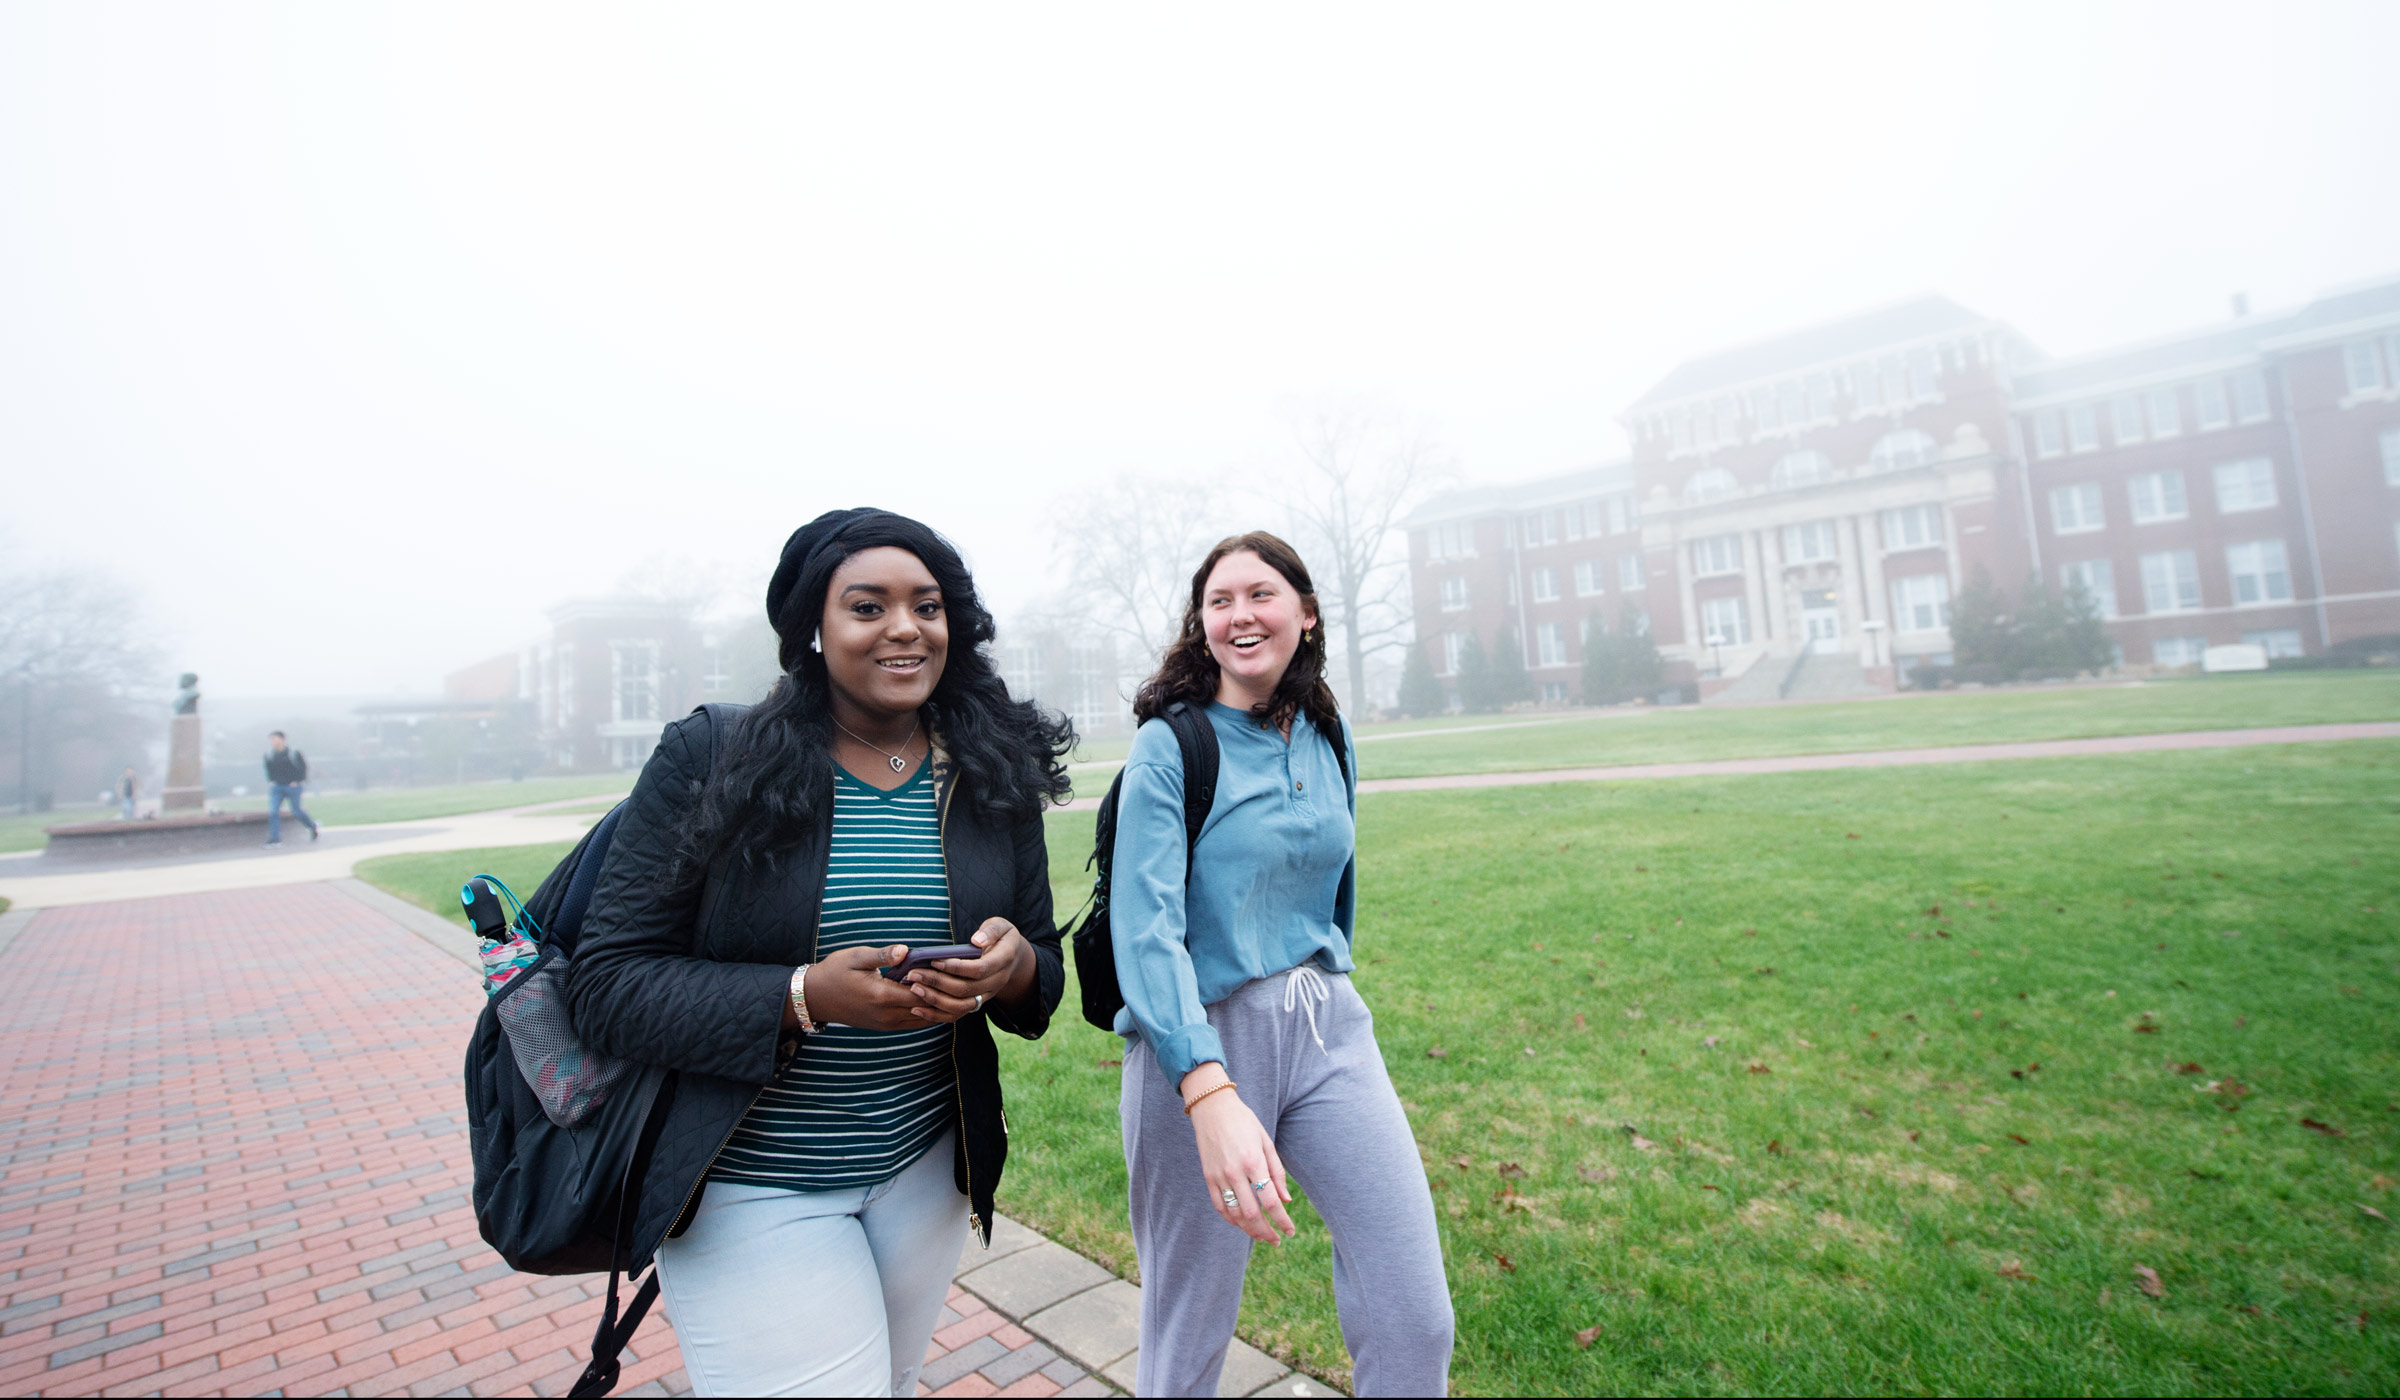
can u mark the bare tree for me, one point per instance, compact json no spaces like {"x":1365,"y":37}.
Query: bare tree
{"x":1367,"y":470}
{"x":78,"y":679}
{"x":1128,"y":550}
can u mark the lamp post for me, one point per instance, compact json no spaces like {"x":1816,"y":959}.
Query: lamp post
{"x":1716,"y":641}
{"x":25,"y":739}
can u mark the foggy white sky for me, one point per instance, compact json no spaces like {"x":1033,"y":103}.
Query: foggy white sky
{"x":356,"y":337}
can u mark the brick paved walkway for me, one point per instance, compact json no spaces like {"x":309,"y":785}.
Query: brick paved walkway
{"x":234,"y":1162}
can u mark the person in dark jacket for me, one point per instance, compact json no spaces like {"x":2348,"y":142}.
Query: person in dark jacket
{"x":287,"y":771}
{"x":831,"y":1128}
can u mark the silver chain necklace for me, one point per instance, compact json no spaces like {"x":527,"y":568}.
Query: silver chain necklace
{"x":898,"y":762}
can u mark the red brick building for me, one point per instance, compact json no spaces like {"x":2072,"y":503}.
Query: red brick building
{"x":1804,"y":509}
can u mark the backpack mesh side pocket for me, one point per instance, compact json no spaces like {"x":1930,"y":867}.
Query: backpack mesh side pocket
{"x":569,"y":1078}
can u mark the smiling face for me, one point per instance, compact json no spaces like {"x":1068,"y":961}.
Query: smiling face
{"x":1253,"y":617}
{"x":885,"y":632}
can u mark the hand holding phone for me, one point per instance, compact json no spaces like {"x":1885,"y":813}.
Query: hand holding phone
{"x":926,"y":957}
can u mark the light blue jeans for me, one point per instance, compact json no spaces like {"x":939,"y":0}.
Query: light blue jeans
{"x":776,"y":1292}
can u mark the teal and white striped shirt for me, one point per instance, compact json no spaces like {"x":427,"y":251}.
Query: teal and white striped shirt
{"x":857,"y":1107}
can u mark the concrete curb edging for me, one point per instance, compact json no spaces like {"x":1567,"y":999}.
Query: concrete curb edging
{"x":1093,"y":1318}
{"x":424,"y":923}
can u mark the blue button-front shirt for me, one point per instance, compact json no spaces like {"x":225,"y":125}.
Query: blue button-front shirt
{"x":1273,"y":878}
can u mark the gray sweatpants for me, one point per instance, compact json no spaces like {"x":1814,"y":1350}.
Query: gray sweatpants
{"x":1342,"y":1135}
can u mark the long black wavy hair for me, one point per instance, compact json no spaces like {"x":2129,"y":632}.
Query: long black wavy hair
{"x":763,"y":791}
{"x":1188,"y":672}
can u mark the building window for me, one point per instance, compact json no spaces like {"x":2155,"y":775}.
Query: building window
{"x":2363,"y":365}
{"x":1799,"y":469}
{"x":2245,"y":485}
{"x":1912,"y":527}
{"x":2391,"y":456}
{"x":2178,"y":651}
{"x":1718,"y":554}
{"x":2166,"y":418}
{"x":2049,"y":434}
{"x":2125,"y":418}
{"x":1023,"y":666}
{"x":2099,"y":580}
{"x":1545,"y":585}
{"x":1541,"y":527}
{"x":2157,"y":496}
{"x":1763,"y":412}
{"x":2170,"y":581}
{"x":2075,"y":509}
{"x":1820,"y":398}
{"x":1635,"y":621}
{"x":1903,"y":449}
{"x":1921,"y":602}
{"x":633,"y":670}
{"x":1629,"y":572}
{"x":1454,"y":541}
{"x":1550,"y":644}
{"x":2083,"y":428}
{"x":1724,"y":622}
{"x":1620,"y":514}
{"x":1810,"y":543}
{"x":2208,"y":396}
{"x":1923,"y":371}
{"x":2279,"y":641}
{"x":1587,"y":578}
{"x":1554,"y":692}
{"x":1713,"y":484}
{"x":2260,"y":572}
{"x":1586,"y":520}
{"x":1454,"y":594}
{"x":1453,"y":644}
{"x":1866,"y":389}
{"x":2250,"y":397}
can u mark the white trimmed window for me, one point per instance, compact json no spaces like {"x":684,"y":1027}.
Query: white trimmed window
{"x":2250,"y":397}
{"x":2245,"y":485}
{"x":2170,"y":581}
{"x":1541,"y":527}
{"x":1867,"y":388}
{"x":1724,"y":622}
{"x":1550,"y":645}
{"x":2260,"y":572}
{"x":2363,"y":366}
{"x":1454,"y":595}
{"x":2391,"y":456}
{"x":1620,"y":514}
{"x":2157,"y":496}
{"x":1820,"y":398}
{"x":1762,"y":411}
{"x":1554,"y":692}
{"x":1924,"y":371}
{"x":2075,"y":509}
{"x":2208,"y":397}
{"x":2098,"y":577}
{"x":2083,"y":428}
{"x":1453,"y":541}
{"x":1629,"y":572}
{"x":2049,"y":434}
{"x":1718,"y":554}
{"x":2178,"y":651}
{"x":2279,"y":641}
{"x":2166,"y":416}
{"x":633,"y":681}
{"x":1811,"y":542}
{"x":1454,"y":644}
{"x":1709,"y":484}
{"x":1912,"y":527}
{"x":1587,"y":578}
{"x":1803,"y":468}
{"x":1545,"y":585}
{"x":1897,"y":451}
{"x":2125,"y":418}
{"x":1921,"y":602}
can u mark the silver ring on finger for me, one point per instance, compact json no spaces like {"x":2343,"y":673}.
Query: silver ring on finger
{"x":979,"y":1001}
{"x":1231,"y":1200}
{"x":1260,"y":1185}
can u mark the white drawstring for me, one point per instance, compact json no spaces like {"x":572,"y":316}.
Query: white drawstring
{"x":1304,"y":996}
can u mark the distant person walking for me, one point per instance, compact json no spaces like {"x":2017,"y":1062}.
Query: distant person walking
{"x":1246,"y":1043}
{"x":128,"y":788}
{"x":287,"y":770}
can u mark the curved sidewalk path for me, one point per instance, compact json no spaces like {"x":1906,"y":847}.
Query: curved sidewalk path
{"x":1880,"y":758}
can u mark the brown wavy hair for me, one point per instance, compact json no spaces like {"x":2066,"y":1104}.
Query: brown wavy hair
{"x":1188,"y":673}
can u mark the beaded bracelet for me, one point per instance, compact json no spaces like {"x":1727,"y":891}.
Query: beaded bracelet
{"x":1196,"y":1098}
{"x":800,"y":1000}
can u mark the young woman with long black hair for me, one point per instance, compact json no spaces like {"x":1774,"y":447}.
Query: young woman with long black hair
{"x":831,"y":1129}
{"x":1246,"y":1043}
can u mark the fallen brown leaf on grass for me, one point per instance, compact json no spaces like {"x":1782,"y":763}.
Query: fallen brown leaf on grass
{"x":1640,"y":1143}
{"x":2381,"y":1183}
{"x":1596,"y":1175}
{"x":1586,"y":1337}
{"x":2021,"y":1142}
{"x":1579,"y":1022}
{"x":1706,"y":1187}
{"x":2326,"y":1128}
{"x":1112,"y":1064}
{"x":2104,"y":1297}
{"x":2374,"y":1213}
{"x":1760,"y":1069}
{"x":1512,"y":1171}
{"x":2015,"y":1270}
{"x":1505,"y":1262}
{"x":2189,"y":1067}
{"x":2145,"y":1029}
{"x":1775,"y":1145}
{"x":1437,"y":1053}
{"x":2149,"y":1280}
{"x":1462,"y":1163}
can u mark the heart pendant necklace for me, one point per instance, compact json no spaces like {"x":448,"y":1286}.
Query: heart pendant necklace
{"x":899,"y":761}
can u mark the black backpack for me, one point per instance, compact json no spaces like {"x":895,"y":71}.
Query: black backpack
{"x":562,"y":1135}
{"x":1095,"y":953}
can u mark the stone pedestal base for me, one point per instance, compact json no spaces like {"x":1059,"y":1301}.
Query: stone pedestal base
{"x":183,"y":792}
{"x":164,"y":836}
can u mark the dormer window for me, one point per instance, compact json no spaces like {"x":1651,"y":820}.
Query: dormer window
{"x":1711,"y":484}
{"x":1800,"y":469}
{"x":1901,"y":450}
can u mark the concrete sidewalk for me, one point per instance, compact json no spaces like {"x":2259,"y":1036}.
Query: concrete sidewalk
{"x":235,"y":1162}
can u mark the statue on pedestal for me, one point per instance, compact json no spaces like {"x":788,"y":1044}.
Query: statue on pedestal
{"x":183,"y":792}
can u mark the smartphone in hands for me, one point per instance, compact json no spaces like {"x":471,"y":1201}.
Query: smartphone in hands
{"x":924,"y":957}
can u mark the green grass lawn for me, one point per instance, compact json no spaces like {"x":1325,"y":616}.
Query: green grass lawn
{"x":1895,"y":1198}
{"x":2019,"y":1030}
{"x":432,"y":879}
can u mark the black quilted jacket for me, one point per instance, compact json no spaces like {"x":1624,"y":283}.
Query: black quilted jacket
{"x":699,"y":985}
